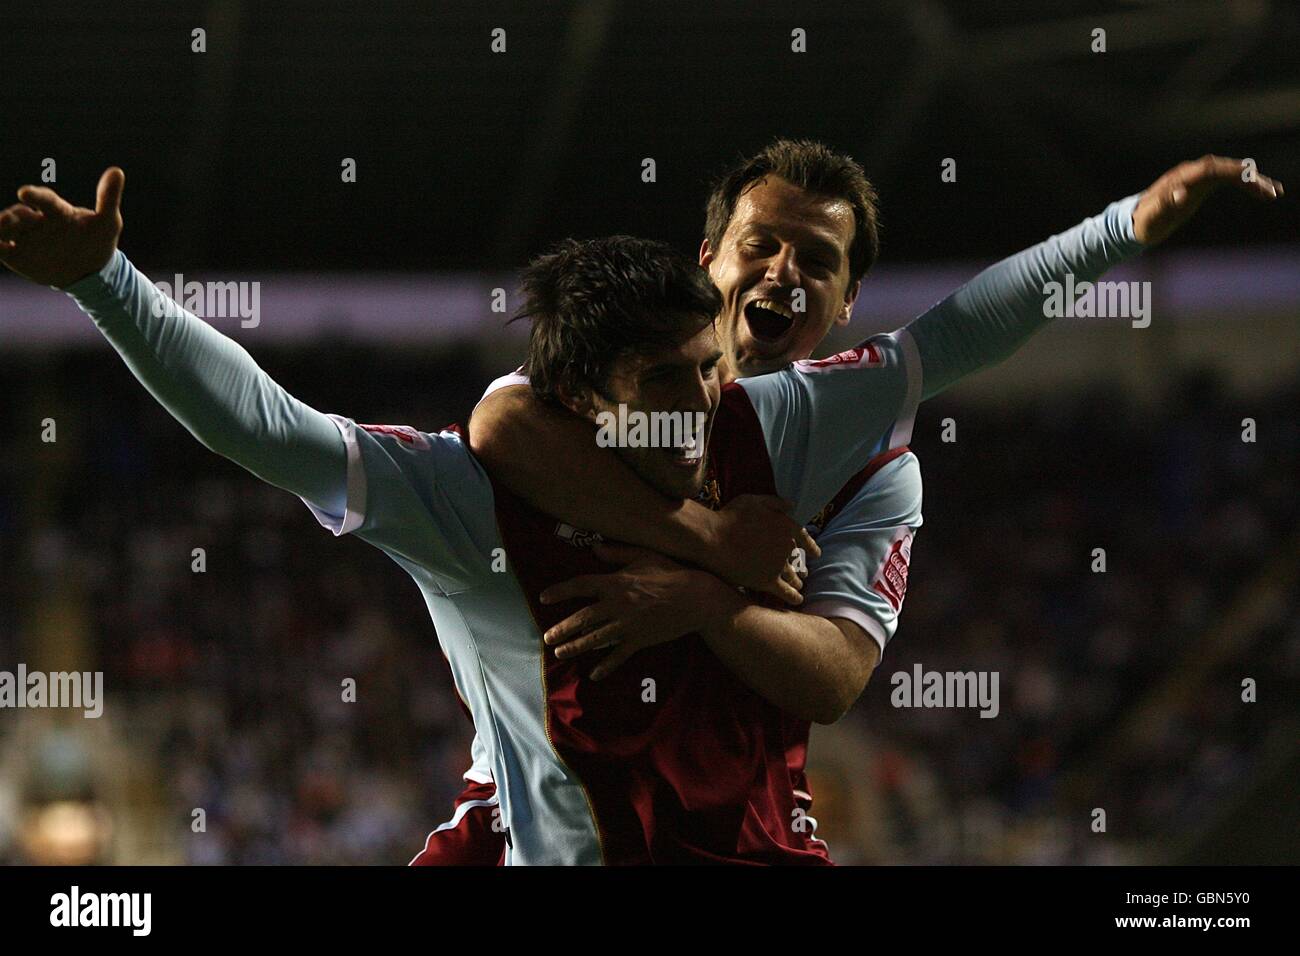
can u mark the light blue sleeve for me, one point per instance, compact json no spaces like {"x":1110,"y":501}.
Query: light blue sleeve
{"x":424,"y":500}
{"x":420,"y":497}
{"x":861,"y":574}
{"x":824,"y":420}
{"x":212,"y":386}
{"x":995,"y":313}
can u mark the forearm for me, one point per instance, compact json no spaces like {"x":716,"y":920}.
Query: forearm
{"x":809,"y":666}
{"x":212,"y":386}
{"x":549,"y":457}
{"x":995,"y":313}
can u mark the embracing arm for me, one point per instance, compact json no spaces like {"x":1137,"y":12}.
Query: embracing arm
{"x":549,"y":457}
{"x":810,"y":666}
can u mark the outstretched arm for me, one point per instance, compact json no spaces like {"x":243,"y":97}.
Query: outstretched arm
{"x":207,"y":381}
{"x":995,"y":313}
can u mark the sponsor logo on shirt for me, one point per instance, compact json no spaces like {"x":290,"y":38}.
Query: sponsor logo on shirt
{"x":405,"y":433}
{"x":863,"y":356}
{"x":892,"y":579}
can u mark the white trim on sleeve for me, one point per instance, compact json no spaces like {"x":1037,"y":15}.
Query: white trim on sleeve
{"x":517,"y":377}
{"x":355,"y":512}
{"x":902,"y":433}
{"x":834,"y":608}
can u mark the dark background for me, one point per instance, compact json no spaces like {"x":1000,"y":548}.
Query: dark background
{"x":474,"y":160}
{"x":1120,"y":691}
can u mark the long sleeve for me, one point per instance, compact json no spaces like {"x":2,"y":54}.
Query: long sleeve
{"x":212,"y":386}
{"x":991,"y":316}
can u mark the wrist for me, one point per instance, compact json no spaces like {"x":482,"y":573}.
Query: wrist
{"x":698,"y":531}
{"x":721,"y":604}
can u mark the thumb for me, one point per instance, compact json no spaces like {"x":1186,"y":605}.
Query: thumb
{"x":108,"y":196}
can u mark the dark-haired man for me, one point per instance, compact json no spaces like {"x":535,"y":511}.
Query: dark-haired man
{"x":688,"y":767}
{"x":794,"y":219}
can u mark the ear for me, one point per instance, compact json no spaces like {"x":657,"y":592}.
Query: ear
{"x":850,"y":297}
{"x":706,"y":253}
{"x":577,"y":401}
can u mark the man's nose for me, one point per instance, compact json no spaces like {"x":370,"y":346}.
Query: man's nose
{"x":699,"y":397}
{"x":782,"y":269}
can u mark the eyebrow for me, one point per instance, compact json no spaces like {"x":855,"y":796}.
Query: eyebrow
{"x":658,"y":367}
{"x":814,"y":243}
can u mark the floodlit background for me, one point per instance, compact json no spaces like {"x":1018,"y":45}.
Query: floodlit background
{"x":1120,"y":690}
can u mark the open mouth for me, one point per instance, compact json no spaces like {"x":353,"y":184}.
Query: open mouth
{"x":689,"y":453}
{"x":768,"y":320}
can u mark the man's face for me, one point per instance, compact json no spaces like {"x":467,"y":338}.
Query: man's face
{"x":781,"y":238}
{"x":683,"y":379}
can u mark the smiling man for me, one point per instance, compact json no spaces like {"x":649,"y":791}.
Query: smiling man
{"x":790,"y":233}
{"x":686,"y":758}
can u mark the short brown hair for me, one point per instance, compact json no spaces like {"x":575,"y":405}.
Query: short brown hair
{"x":594,"y":301}
{"x":812,"y":166}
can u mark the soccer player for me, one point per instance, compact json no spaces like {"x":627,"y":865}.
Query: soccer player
{"x":583,"y":774}
{"x":796,"y":216}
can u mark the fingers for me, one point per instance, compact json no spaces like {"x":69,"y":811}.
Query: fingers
{"x":46,"y":201}
{"x":584,"y":585}
{"x":612,"y":662}
{"x":808,"y":543}
{"x":579,"y":622}
{"x":607,"y":636}
{"x":1224,"y":170}
{"x":108,"y":195}
{"x":783,"y":590}
{"x":791,"y":577}
{"x":18,"y":219}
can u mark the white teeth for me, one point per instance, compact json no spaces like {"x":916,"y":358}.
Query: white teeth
{"x":776,"y":307}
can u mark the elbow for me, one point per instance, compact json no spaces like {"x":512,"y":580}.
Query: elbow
{"x":830,"y":705}
{"x":836,"y":700}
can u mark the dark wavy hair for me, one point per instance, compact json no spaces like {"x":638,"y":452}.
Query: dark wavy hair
{"x":594,"y":301}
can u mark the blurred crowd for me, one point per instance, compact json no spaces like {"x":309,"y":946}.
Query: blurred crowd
{"x":228,"y":736}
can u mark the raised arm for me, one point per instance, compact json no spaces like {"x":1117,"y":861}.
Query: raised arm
{"x":207,"y":381}
{"x":995,"y":313}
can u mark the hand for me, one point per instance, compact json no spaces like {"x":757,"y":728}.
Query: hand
{"x":652,"y":600}
{"x":753,"y":544}
{"x":51,"y":242}
{"x":1173,"y":199}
